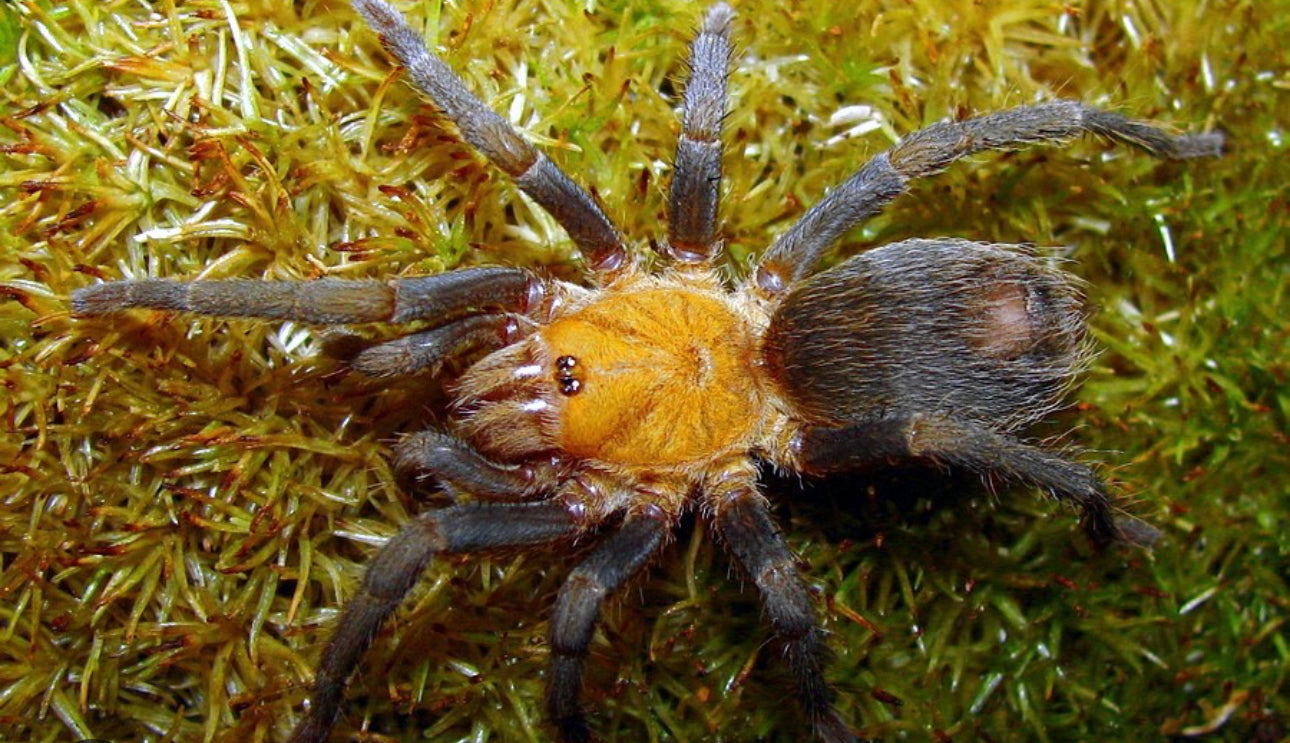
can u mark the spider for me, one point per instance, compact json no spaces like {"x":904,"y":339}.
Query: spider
{"x":605,"y":412}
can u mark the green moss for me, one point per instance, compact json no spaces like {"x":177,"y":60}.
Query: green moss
{"x":184,"y":503}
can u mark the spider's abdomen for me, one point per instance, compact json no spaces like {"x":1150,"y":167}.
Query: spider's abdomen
{"x":657,"y":376}
{"x":980,"y":332}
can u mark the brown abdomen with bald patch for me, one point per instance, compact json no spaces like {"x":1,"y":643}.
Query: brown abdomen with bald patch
{"x":659,"y":376}
{"x":978,"y":332}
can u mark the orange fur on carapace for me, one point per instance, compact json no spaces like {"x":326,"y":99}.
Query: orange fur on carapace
{"x":664,"y":375}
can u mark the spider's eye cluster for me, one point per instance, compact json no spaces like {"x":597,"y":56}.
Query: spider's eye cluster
{"x":569,"y":384}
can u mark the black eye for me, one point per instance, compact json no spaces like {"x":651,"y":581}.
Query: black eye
{"x":569,"y":385}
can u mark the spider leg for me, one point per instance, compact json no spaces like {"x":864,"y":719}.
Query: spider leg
{"x":696,"y":178}
{"x":323,"y":301}
{"x":492,"y":136}
{"x":578,"y":607}
{"x":395,"y":569}
{"x":826,"y":450}
{"x":930,"y":150}
{"x":457,"y":464}
{"x":431,"y":348}
{"x":743,"y":520}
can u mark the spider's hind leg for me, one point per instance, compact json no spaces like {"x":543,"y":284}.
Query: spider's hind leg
{"x":930,"y":150}
{"x":925,"y":436}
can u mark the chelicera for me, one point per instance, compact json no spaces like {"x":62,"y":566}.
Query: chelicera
{"x":604,"y":412}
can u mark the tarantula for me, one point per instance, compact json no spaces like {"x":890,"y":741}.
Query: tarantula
{"x":617,"y":407}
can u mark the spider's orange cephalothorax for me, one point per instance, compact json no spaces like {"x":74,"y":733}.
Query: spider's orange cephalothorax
{"x":663,"y":375}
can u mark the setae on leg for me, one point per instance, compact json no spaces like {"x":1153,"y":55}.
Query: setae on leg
{"x":927,"y":436}
{"x":577,"y":608}
{"x":696,"y":179}
{"x":743,"y":520}
{"x":467,"y":528}
{"x":929,"y":151}
{"x":459,"y":467}
{"x":429,"y":349}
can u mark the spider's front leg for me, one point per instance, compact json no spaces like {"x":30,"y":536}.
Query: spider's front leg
{"x":465,"y":305}
{"x":592,"y":232}
{"x":825,"y":450}
{"x":696,"y":179}
{"x":392,"y":573}
{"x":322,"y":301}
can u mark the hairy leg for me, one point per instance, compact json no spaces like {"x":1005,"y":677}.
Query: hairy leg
{"x":324,"y":301}
{"x":395,"y":569}
{"x":743,"y":520}
{"x":491,"y":135}
{"x":827,"y":450}
{"x":428,"y":350}
{"x":696,"y":179}
{"x":930,"y":150}
{"x":578,"y":607}
{"x":455,"y":463}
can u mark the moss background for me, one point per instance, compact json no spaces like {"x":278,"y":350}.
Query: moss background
{"x":184,"y":503}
